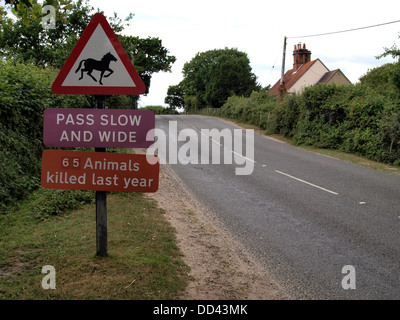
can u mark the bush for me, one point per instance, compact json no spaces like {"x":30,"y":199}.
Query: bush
{"x":285,"y":116}
{"x":192,"y":104}
{"x":254,"y":110}
{"x":160,"y":110}
{"x":357,"y":119}
{"x":382,"y":80}
{"x":348,"y":118}
{"x":25,"y":92}
{"x":56,"y":202}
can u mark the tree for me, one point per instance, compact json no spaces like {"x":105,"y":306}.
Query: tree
{"x":390,"y":127}
{"x":175,"y":97}
{"x":148,"y":56}
{"x":31,"y":9}
{"x":52,"y":47}
{"x":382,"y":80}
{"x":30,"y":42}
{"x":215,"y":75}
{"x":394,"y":51}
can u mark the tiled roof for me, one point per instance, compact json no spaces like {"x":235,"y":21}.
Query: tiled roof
{"x":327,"y":76}
{"x":291,"y":77}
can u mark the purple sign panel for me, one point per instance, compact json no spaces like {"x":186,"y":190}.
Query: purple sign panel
{"x":98,"y":128}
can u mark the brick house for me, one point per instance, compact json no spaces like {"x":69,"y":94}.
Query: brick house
{"x":307,"y":73}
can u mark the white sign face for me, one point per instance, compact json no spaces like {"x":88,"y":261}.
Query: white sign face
{"x":99,"y":56}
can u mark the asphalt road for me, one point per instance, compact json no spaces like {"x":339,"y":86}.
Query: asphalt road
{"x":304,"y":216}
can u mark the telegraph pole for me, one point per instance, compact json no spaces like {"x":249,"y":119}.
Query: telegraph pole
{"x":282,"y":87}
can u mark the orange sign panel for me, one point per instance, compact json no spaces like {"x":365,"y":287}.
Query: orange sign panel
{"x":99,"y":171}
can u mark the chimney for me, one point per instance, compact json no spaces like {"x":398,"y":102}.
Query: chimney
{"x":300,"y":56}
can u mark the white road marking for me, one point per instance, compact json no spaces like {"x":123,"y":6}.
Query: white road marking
{"x":218,"y":143}
{"x":238,"y":154}
{"x":303,"y":181}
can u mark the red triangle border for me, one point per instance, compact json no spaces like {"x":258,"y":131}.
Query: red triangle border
{"x":97,"y":19}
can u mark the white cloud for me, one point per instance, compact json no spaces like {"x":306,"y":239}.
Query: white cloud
{"x":257,"y":27}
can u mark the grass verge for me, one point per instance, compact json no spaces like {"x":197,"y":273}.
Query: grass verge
{"x":363,"y":161}
{"x":144,"y":262}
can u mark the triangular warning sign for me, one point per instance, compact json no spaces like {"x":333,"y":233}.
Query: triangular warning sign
{"x":98,"y":65}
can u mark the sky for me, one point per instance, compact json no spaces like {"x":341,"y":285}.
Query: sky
{"x":258,"y":28}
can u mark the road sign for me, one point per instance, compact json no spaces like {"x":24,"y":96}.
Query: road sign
{"x":98,"y":65}
{"x":98,"y":128}
{"x":99,"y":171}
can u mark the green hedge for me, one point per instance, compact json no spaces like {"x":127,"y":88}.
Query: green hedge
{"x":357,"y":119}
{"x":349,"y":118}
{"x":25,"y":92}
{"x":255,"y":110}
{"x":160,"y":110}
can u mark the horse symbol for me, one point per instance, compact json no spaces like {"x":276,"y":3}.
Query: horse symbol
{"x":91,"y":64}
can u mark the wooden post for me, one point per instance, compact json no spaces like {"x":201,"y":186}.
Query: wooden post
{"x":282,"y":88}
{"x":283,"y":60}
{"x":101,"y":223}
{"x":101,"y":200}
